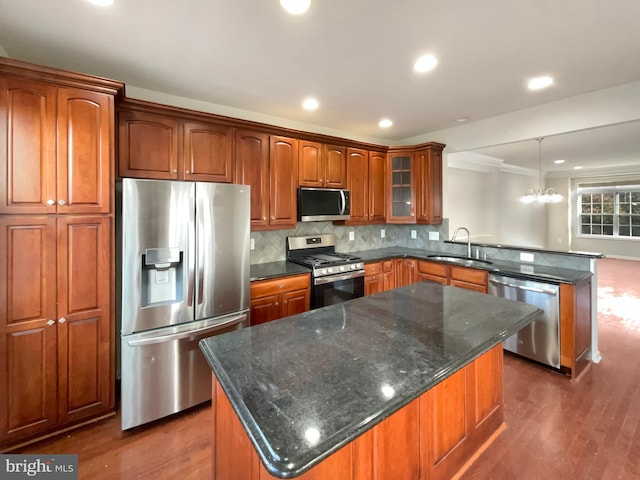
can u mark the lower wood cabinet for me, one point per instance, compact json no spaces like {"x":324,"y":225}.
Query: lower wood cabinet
{"x":280,"y":297}
{"x":56,"y":331}
{"x":462,"y":277}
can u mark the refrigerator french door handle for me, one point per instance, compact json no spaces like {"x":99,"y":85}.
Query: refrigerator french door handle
{"x":200,"y":252}
{"x":190,"y":333}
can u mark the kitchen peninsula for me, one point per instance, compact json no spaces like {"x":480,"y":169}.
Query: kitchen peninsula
{"x":402,"y":384}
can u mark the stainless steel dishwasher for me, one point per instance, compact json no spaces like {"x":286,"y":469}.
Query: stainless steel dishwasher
{"x":540,"y":340}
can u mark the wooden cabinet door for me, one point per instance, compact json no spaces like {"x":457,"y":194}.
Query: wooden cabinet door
{"x":265,"y":309}
{"x":283,"y":172}
{"x":358,"y":184}
{"x":28,"y":146}
{"x":28,"y":393}
{"x":469,"y":278}
{"x":377,"y":191}
{"x":401,"y":188}
{"x":335,"y":166}
{"x":85,"y":139}
{"x":252,"y":168}
{"x":429,"y":185}
{"x":295,"y":302}
{"x":207,"y":153}
{"x":405,"y":271}
{"x":148,"y":146}
{"x":311,"y":168}
{"x":85,"y":356}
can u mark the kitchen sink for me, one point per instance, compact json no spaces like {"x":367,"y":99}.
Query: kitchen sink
{"x":464,"y":261}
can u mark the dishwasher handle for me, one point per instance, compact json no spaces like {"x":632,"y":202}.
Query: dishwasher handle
{"x":522,"y":287}
{"x":189,"y":333}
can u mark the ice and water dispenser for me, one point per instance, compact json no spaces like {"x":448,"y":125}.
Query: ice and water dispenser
{"x":162,"y":277}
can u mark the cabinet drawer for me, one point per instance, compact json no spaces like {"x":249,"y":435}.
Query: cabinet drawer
{"x":263,"y":288}
{"x":469,"y":275}
{"x":387,"y":266}
{"x":432,"y":268}
{"x":372,"y":268}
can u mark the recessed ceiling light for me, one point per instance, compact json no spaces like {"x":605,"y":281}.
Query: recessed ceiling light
{"x":310,"y":104}
{"x":425,"y":63}
{"x":577,"y":168}
{"x":101,"y":3}
{"x":558,"y":161}
{"x":295,"y":7}
{"x":385,"y":123}
{"x":462,"y":119}
{"x":539,"y":83}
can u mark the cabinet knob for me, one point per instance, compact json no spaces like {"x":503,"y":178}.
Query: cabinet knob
{"x":51,"y":322}
{"x":277,"y":303}
{"x":51,"y":202}
{"x":286,"y":301}
{"x":264,"y":218}
{"x":272,"y":217}
{"x":62,"y":320}
{"x":281,"y":285}
{"x":175,"y":170}
{"x":187,"y":172}
{"x":61,"y":202}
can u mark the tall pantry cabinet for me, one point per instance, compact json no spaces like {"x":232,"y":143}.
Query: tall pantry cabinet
{"x":57,"y":325}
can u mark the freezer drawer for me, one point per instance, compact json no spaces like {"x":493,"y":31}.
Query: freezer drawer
{"x":164,"y":371}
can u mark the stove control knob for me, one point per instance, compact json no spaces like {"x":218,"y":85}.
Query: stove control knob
{"x":354,"y":266}
{"x":342,"y":268}
{"x":323,"y":271}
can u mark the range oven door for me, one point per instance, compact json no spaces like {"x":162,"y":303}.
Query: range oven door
{"x":337,"y":288}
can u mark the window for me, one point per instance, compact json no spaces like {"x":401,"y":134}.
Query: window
{"x":609,"y":210}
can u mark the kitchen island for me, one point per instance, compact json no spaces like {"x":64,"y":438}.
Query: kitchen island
{"x":402,"y":384}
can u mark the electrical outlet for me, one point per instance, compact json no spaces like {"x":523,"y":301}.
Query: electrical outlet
{"x":434,"y":235}
{"x":253,"y":244}
{"x":414,"y":234}
{"x":382,"y":233}
{"x":352,"y":236}
{"x":526,"y":257}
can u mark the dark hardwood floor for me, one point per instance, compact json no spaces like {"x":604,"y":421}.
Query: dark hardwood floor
{"x":556,"y":429}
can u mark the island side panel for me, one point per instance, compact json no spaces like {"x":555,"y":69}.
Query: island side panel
{"x":435,"y":436}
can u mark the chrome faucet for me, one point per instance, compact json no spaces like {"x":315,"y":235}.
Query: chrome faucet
{"x":453,"y":239}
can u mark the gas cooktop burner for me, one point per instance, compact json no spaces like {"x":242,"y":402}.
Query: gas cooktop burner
{"x":318,"y":252}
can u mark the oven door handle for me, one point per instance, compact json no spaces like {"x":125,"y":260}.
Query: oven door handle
{"x":337,"y":278}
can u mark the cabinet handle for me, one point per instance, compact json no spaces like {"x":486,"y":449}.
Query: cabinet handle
{"x":51,"y":202}
{"x":187,"y":172}
{"x":61,"y":202}
{"x":51,"y":322}
{"x":62,"y":320}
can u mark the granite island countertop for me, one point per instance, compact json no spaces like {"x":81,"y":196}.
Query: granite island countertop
{"x":306,"y":385}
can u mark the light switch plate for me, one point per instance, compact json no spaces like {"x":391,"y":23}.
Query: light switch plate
{"x":253,"y":244}
{"x":382,"y":233}
{"x":526,"y":257}
{"x":414,"y":234}
{"x":434,"y":235}
{"x":352,"y":236}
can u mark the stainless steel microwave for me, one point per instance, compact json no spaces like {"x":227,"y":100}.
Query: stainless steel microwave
{"x":323,"y":204}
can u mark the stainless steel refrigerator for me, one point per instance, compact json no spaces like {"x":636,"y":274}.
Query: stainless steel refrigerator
{"x":184,"y":275}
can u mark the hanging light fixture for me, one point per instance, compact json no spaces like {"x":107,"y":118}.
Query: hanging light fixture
{"x":541,"y":195}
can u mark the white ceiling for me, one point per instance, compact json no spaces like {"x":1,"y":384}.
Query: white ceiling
{"x":355,"y":56}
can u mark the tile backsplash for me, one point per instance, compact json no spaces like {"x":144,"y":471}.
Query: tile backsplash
{"x":270,"y":245}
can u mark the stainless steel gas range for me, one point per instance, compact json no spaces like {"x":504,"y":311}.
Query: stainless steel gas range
{"x":336,"y":277}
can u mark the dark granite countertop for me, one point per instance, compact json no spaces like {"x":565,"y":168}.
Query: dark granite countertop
{"x":502,"y":267}
{"x":261,"y":271}
{"x":306,"y":385}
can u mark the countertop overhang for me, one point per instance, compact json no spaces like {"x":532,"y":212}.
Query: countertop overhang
{"x":306,"y":385}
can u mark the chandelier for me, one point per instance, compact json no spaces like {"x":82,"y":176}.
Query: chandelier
{"x":541,"y":194}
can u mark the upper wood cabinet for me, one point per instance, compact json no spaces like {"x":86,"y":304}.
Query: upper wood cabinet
{"x":252,"y":168}
{"x":58,"y":143}
{"x":321,"y":165}
{"x":366,"y":183}
{"x":415,"y":185}
{"x":269,"y":164}
{"x":165,"y":146}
